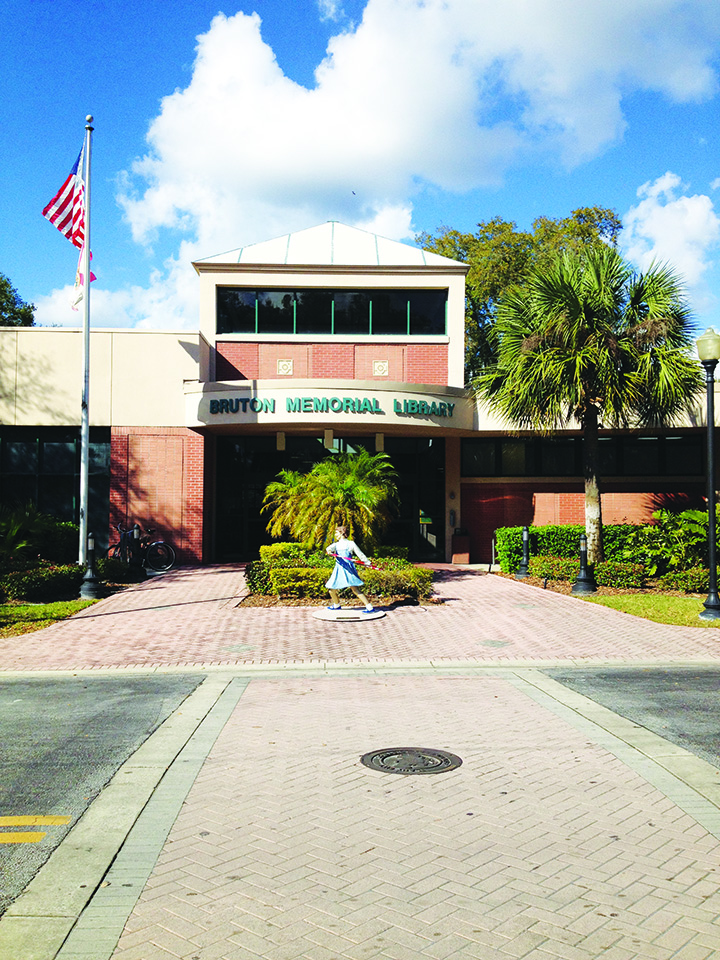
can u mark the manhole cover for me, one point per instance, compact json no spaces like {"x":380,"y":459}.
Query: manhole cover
{"x":409,"y":760}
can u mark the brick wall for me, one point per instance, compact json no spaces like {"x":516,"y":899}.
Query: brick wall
{"x":487,"y":506}
{"x":408,"y":363}
{"x":156,"y":480}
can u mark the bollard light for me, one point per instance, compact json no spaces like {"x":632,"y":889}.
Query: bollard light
{"x":708,"y":348}
{"x":90,"y":588}
{"x":585,"y":581}
{"x":524,"y":569}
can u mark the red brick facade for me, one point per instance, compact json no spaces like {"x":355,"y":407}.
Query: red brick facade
{"x":156,"y":480}
{"x":408,"y":363}
{"x":487,"y":506}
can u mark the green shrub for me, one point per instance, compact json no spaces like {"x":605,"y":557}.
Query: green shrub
{"x":257,"y":577}
{"x":554,"y":568}
{"x":557,"y":541}
{"x":694,"y":580}
{"x":273,"y":552}
{"x":407,"y":581}
{"x":46,"y":582}
{"x":298,"y":582}
{"x":60,"y":542}
{"x":610,"y":573}
{"x":676,"y":541}
{"x":397,"y":553}
{"x":399,"y":582}
{"x":113,"y":570}
{"x":625,"y":576}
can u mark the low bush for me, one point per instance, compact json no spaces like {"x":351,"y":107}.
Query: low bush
{"x":408,"y":581}
{"x":298,"y":582}
{"x":554,"y":568}
{"x":397,"y":553}
{"x":694,"y":580}
{"x":621,"y":575}
{"x":274,"y":552}
{"x":257,"y":577}
{"x":399,"y":582}
{"x":113,"y":570}
{"x":610,"y":573}
{"x":45,"y":582}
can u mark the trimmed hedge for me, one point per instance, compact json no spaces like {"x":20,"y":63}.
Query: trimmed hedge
{"x":610,"y":573}
{"x":557,"y":541}
{"x":44,"y":583}
{"x":694,"y":580}
{"x":310,"y":582}
{"x":113,"y":570}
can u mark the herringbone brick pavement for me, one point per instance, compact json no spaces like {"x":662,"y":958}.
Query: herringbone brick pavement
{"x":192,"y":617}
{"x":542,"y":844}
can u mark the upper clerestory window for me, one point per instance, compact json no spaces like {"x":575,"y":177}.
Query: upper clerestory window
{"x":332,"y":312}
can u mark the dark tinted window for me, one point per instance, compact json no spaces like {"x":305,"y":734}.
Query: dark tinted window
{"x":235,"y":310}
{"x":352,"y":312}
{"x":389,"y":312}
{"x":479,"y":458}
{"x":276,"y":311}
{"x":557,"y":458}
{"x":642,"y":456}
{"x":313,"y":311}
{"x":427,"y":311}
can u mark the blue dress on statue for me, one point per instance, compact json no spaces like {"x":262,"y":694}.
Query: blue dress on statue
{"x":344,"y":573}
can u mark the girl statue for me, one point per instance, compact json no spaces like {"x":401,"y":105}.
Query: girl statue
{"x":344,"y":574}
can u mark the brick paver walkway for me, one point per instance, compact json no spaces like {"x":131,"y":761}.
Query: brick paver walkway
{"x":540,"y":845}
{"x":192,"y":617}
{"x":548,"y":842}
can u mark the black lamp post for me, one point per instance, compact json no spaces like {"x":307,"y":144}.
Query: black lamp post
{"x":90,"y":588}
{"x":708,"y":347}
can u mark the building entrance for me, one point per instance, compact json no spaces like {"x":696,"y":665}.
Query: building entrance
{"x":246,"y":464}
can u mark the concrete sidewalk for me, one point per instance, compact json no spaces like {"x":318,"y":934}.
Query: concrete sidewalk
{"x":567,"y":832}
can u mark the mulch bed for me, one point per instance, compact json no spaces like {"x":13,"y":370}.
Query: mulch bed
{"x":565,"y":586}
{"x":258,"y":600}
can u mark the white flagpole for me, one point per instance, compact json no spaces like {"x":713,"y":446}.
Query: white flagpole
{"x":85,"y":410}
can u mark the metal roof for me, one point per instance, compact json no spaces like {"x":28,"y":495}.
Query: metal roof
{"x":334,"y":244}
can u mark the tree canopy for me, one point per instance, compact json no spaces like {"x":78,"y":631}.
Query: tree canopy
{"x":587,"y":339}
{"x":14,"y":312}
{"x":501,"y":256}
{"x":355,"y":490}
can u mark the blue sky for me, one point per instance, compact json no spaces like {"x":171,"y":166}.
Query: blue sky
{"x":221,"y":126}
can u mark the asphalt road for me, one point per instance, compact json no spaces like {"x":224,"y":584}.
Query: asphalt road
{"x":681,"y":705}
{"x":62,"y":741}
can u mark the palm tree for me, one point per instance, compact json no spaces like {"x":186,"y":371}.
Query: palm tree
{"x":589,"y":340}
{"x":355,"y":490}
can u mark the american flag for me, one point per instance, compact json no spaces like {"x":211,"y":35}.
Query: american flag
{"x":67,"y":208}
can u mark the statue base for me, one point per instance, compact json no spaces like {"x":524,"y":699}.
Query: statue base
{"x":347,"y":615}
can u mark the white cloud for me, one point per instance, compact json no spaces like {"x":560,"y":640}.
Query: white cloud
{"x":170,"y":302}
{"x":442,"y":94}
{"x":671,"y":227}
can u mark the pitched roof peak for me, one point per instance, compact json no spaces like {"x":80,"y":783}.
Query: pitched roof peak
{"x":333,"y":244}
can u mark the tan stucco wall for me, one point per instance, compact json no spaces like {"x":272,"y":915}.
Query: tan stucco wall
{"x":136,"y":377}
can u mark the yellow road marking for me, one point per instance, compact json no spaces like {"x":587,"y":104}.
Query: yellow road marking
{"x":38,"y":821}
{"x":19,"y":836}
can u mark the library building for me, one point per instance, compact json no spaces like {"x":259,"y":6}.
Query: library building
{"x":320,"y":341}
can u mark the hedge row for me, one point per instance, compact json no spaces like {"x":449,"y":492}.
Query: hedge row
{"x":46,"y":582}
{"x":556,"y":541}
{"x":610,"y":573}
{"x":310,"y":582}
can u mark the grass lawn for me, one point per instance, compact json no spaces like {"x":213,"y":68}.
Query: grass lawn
{"x":18,"y":618}
{"x":660,"y":607}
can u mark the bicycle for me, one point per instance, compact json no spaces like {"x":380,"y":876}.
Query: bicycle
{"x":139,"y":548}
